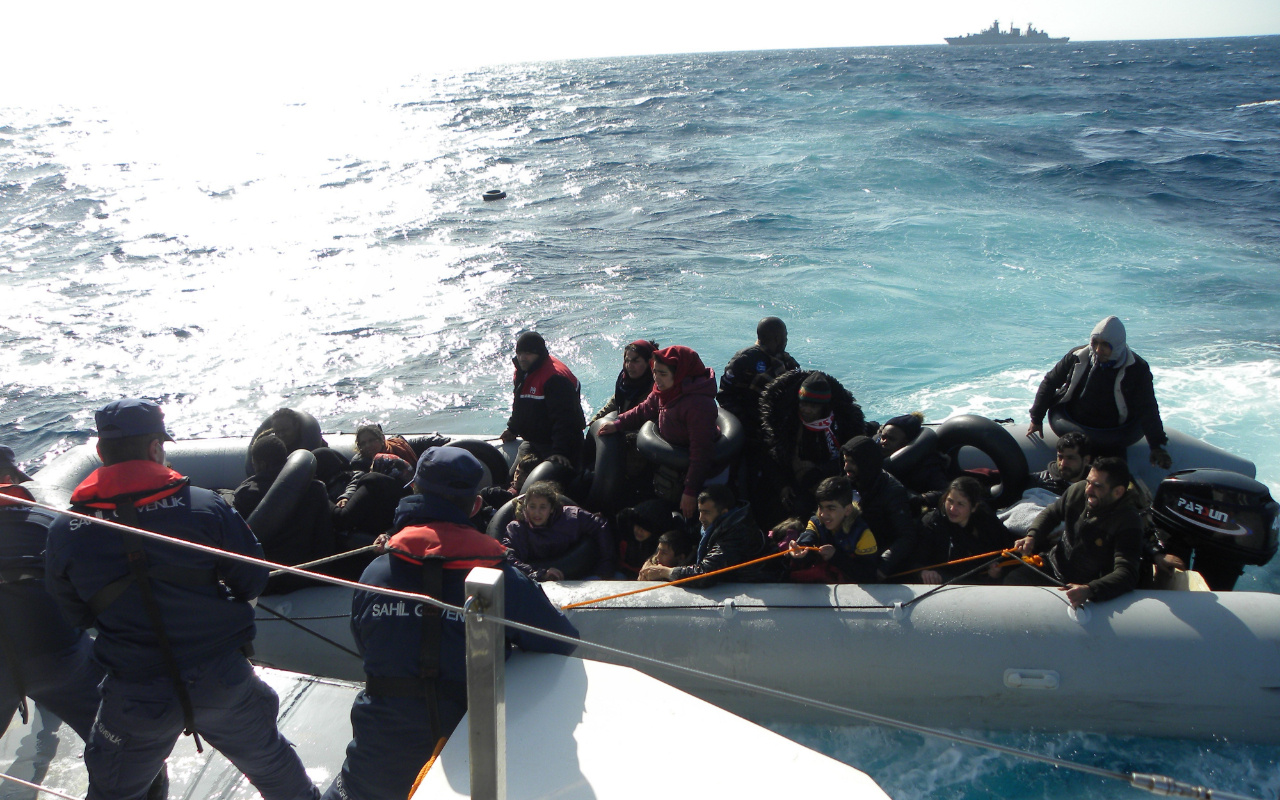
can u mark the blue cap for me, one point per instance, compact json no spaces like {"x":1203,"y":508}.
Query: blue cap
{"x":131,"y":416}
{"x":448,"y":472}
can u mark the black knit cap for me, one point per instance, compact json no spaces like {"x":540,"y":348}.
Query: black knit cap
{"x":815,"y":389}
{"x":531,"y":342}
{"x":908,"y":424}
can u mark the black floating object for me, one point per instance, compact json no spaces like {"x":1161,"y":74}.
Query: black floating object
{"x":494,"y":194}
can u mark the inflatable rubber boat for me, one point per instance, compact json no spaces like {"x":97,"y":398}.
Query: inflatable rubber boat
{"x":1177,"y":664}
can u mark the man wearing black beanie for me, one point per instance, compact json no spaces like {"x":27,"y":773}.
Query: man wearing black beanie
{"x":546,"y":410}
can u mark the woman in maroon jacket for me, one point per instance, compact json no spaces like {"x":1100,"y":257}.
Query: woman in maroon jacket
{"x":683,"y":403}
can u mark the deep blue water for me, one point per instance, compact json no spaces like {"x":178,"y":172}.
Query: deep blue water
{"x":936,"y":225}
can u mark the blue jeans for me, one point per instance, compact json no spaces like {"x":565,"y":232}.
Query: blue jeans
{"x":140,"y":720}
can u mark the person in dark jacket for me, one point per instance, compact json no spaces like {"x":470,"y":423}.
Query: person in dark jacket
{"x":546,"y":530}
{"x":367,"y":507}
{"x":634,"y":384}
{"x":683,"y":405}
{"x":546,"y":411}
{"x":308,"y":533}
{"x":638,"y":530}
{"x":928,"y":476}
{"x":1070,"y":464}
{"x":172,"y":622}
{"x":730,"y":536}
{"x":963,"y":525}
{"x":847,"y":549}
{"x":805,"y":418}
{"x":752,"y":369}
{"x":885,"y":504}
{"x":635,"y":380}
{"x":1104,"y":384}
{"x":399,"y":716}
{"x":42,"y":656}
{"x":1098,"y":552}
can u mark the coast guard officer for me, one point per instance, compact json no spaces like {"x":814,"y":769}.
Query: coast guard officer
{"x":173,"y":623}
{"x":414,"y":655}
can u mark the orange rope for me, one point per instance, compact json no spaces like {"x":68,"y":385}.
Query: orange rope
{"x":949,"y":563}
{"x":1016,"y":559}
{"x":427,"y":766}
{"x":688,"y":579}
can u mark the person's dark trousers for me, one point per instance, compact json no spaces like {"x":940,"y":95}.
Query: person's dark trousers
{"x":235,"y":712}
{"x":66,"y":683}
{"x":391,"y":742}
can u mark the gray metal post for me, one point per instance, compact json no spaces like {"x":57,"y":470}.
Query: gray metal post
{"x":486,"y":685}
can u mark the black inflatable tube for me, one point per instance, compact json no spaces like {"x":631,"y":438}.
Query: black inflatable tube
{"x":1130,"y":433}
{"x":558,"y":474}
{"x":658,"y":450}
{"x":280,"y":501}
{"x":971,"y":430}
{"x":909,"y":457}
{"x":491,"y":457}
{"x":310,"y":437}
{"x":610,"y":466}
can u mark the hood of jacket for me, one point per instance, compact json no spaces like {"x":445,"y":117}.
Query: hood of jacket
{"x":690,"y":375}
{"x":869,"y":458}
{"x":1111,"y":330}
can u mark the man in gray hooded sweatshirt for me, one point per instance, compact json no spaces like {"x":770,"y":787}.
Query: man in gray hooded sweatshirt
{"x":1104,"y":384}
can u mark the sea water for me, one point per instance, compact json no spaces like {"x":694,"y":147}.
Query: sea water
{"x":936,"y":226}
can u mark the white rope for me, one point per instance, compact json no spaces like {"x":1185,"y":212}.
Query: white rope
{"x":38,"y":787}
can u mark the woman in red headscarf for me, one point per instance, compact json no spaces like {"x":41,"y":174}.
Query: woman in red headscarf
{"x":683,"y":404}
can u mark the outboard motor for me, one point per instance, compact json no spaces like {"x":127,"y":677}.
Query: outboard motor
{"x":1228,"y":519}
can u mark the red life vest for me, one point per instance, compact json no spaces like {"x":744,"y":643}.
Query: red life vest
{"x":533,"y":386}
{"x":461,"y":546}
{"x":8,"y":490}
{"x":144,"y":482}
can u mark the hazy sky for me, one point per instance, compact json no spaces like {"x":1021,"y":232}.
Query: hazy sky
{"x":80,"y":48}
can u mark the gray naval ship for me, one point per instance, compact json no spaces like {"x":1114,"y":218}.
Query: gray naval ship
{"x":994,"y":35}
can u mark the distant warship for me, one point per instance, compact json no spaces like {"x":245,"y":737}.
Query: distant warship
{"x":994,"y":35}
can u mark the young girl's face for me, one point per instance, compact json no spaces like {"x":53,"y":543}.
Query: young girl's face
{"x":640,"y":533}
{"x":370,"y":444}
{"x":537,"y":511}
{"x":663,"y":377}
{"x":665,"y":555}
{"x":958,"y":508}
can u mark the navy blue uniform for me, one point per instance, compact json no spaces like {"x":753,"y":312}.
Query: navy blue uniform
{"x":393,"y":735}
{"x":204,"y":606}
{"x":44,"y":657}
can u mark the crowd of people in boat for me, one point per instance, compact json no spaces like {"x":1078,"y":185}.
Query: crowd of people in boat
{"x":812,"y":476}
{"x":807,"y":499}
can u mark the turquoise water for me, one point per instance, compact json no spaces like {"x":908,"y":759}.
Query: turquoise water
{"x":936,"y":226}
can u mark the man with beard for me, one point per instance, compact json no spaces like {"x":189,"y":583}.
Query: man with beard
{"x":1071,"y":464}
{"x":1104,"y":385}
{"x":1097,"y":554}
